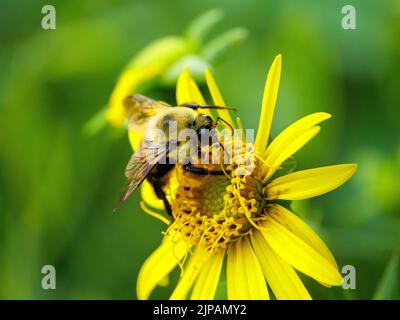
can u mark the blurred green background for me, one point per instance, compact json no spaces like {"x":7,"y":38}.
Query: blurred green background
{"x":58,"y":185}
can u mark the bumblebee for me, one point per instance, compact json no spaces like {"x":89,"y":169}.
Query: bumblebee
{"x":153,"y":158}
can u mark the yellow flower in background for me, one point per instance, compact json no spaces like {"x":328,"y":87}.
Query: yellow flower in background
{"x":149,"y":64}
{"x":161,"y":61}
{"x":240,"y":217}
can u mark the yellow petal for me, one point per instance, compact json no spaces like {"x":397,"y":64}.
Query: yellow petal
{"x":299,"y":254}
{"x":129,"y":80}
{"x":190,"y":273}
{"x":149,"y":196}
{"x":283,"y":280}
{"x":268,"y":105}
{"x":187,"y":91}
{"x":164,"y":282}
{"x":207,"y":281}
{"x":298,"y":126}
{"x":290,"y":141}
{"x":293,"y":223}
{"x":217,"y":97}
{"x":309,"y":183}
{"x":245,"y":280}
{"x":160,"y":264}
{"x":134,"y":138}
{"x":291,"y":146}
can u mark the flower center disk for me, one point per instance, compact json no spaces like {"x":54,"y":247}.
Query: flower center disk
{"x":212,"y":211}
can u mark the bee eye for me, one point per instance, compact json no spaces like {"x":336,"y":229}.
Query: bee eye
{"x":206,"y":117}
{"x":204,"y":122}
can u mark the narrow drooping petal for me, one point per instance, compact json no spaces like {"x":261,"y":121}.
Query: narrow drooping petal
{"x":217,"y":97}
{"x":299,"y":254}
{"x":207,"y":281}
{"x":293,"y":223}
{"x":283,"y":280}
{"x":268,"y":105}
{"x":245,"y":279}
{"x":149,"y":196}
{"x":187,"y":91}
{"x":160,"y":264}
{"x":289,"y":141}
{"x":190,"y":273}
{"x":127,"y":83}
{"x":309,"y":183}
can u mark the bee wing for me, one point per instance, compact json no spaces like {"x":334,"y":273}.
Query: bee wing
{"x":140,"y":165}
{"x":140,"y":109}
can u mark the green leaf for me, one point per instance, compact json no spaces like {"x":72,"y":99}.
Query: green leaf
{"x":221,"y":292}
{"x":216,"y":47}
{"x":289,"y":165}
{"x":196,"y":65}
{"x":286,"y":167}
{"x":96,"y":123}
{"x":388,"y":287}
{"x":200,"y":26}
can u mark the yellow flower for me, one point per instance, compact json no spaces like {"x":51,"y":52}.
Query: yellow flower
{"x":149,"y":64}
{"x":161,"y":61}
{"x":238,"y":216}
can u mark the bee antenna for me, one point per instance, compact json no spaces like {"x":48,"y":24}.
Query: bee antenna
{"x":226,"y":122}
{"x":196,"y":106}
{"x":222,"y":146}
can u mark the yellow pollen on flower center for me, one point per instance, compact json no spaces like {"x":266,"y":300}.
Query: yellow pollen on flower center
{"x":214,"y":210}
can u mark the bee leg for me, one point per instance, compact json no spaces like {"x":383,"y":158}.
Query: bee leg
{"x":160,"y":194}
{"x":167,"y":206}
{"x":202,"y":171}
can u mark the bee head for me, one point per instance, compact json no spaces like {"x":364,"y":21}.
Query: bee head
{"x":203,"y":121}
